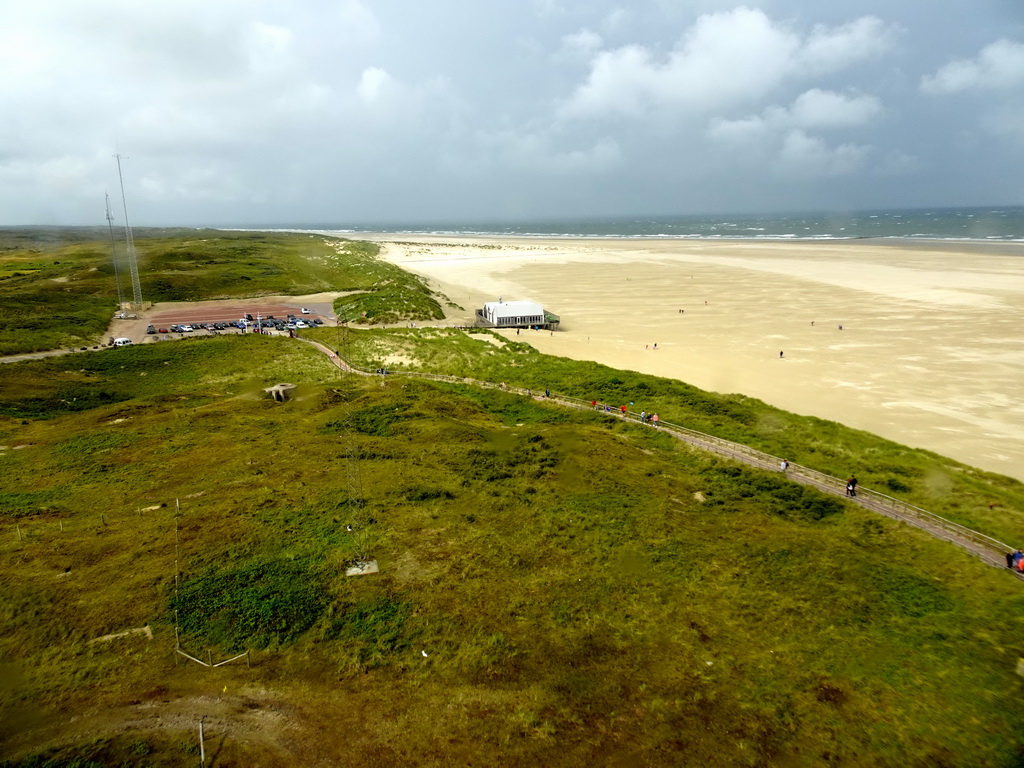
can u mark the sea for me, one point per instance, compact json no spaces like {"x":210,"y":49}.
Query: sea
{"x":1000,"y":224}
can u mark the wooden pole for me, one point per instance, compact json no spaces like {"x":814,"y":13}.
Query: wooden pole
{"x":19,"y":531}
{"x":209,"y":656}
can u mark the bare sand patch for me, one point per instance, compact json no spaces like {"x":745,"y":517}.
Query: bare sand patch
{"x":918,"y":342}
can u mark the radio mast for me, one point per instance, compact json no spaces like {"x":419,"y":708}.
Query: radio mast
{"x":133,"y":261}
{"x":113,"y":256}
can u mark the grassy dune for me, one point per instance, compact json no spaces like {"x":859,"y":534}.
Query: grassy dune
{"x":556,"y":588}
{"x":980,"y":500}
{"x":57,"y":287}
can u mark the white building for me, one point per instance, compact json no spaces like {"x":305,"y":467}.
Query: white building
{"x":512,"y":314}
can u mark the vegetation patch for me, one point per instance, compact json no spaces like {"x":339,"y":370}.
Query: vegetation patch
{"x":378,"y":628}
{"x":253,"y":605}
{"x":14,"y":504}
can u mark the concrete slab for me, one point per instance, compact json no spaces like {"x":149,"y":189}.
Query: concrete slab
{"x":363,"y":568}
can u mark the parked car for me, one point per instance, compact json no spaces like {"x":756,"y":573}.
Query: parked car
{"x":150,"y":329}
{"x":301,"y":324}
{"x":317,"y":321}
{"x":305,"y":310}
{"x":163,"y":330}
{"x":121,"y":342}
{"x":186,"y":329}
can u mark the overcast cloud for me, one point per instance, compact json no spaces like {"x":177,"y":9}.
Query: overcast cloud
{"x":252,"y":112}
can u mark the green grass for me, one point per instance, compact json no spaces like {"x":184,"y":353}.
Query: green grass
{"x":985,"y":501}
{"x":57,"y":287}
{"x":559,"y":572}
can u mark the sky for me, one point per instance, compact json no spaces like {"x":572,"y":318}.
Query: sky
{"x":342,"y":112}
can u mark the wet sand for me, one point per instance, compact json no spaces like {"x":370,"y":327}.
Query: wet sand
{"x":930,"y":354}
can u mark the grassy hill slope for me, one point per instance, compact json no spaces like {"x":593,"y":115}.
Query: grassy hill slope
{"x":985,"y":501}
{"x":555,"y":587}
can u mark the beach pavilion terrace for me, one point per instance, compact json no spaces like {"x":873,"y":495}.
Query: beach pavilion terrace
{"x":515,"y":314}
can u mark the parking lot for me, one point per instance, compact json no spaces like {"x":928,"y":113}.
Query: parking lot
{"x":274,"y":315}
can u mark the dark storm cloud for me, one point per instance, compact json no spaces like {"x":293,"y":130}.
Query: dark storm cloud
{"x":254,"y":113}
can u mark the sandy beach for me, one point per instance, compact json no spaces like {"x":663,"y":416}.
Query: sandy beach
{"x":919,"y":342}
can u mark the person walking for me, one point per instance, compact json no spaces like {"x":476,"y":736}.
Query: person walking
{"x":851,"y":486}
{"x":654,"y":419}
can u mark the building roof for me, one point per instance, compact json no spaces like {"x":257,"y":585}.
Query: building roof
{"x":506,"y":308}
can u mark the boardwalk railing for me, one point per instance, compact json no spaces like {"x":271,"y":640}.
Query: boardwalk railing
{"x":870,"y":499}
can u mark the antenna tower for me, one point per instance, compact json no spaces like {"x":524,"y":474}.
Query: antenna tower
{"x":133,"y":261}
{"x":113,"y":256}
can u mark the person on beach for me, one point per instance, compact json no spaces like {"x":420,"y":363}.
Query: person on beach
{"x":780,"y":354}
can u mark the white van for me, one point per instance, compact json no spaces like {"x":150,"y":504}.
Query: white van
{"x":122,"y":342}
